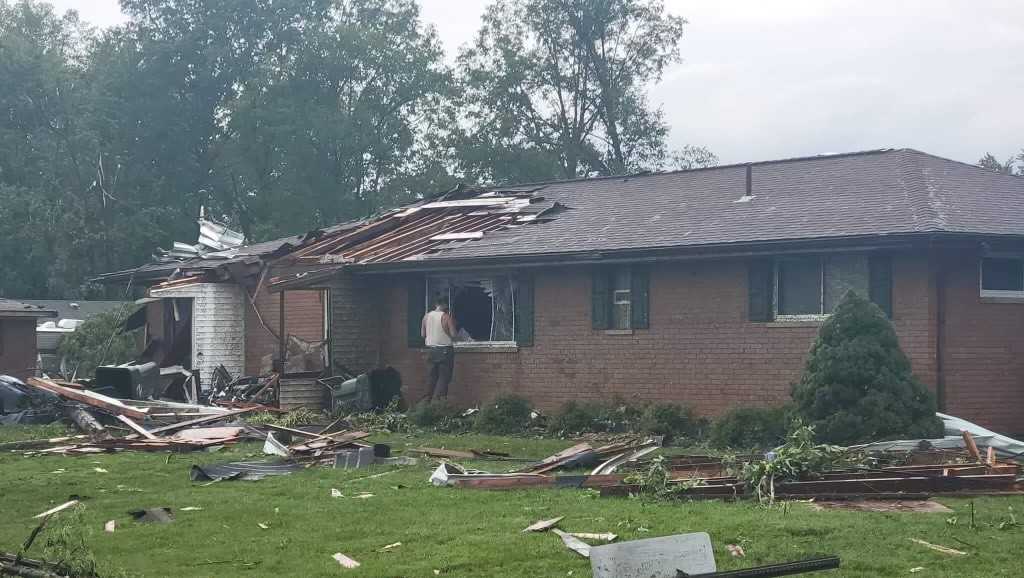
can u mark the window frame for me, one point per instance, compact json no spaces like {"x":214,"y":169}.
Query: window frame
{"x":823,"y":263}
{"x":480,"y":344}
{"x":999,"y":293}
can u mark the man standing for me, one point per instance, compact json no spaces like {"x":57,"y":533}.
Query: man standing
{"x":438,"y":332}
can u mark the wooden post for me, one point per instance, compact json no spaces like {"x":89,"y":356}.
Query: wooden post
{"x":282,"y":335}
{"x":86,"y":422}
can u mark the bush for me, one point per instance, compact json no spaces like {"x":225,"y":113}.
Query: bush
{"x":87,"y":347}
{"x":593,"y":416}
{"x":505,"y":415}
{"x":439,"y":415}
{"x":857,"y":385}
{"x":750,"y":428}
{"x":670,"y":420}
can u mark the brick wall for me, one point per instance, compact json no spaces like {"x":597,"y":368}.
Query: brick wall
{"x":983,"y":360}
{"x":303,"y":317}
{"x":357,"y":314}
{"x":700,"y":348}
{"x":18,"y":346}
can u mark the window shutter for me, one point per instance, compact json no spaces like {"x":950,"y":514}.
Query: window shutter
{"x":524,"y":312}
{"x":760,"y":278}
{"x":416,"y":309}
{"x":880,"y":282}
{"x":640,"y":291}
{"x":600,"y":299}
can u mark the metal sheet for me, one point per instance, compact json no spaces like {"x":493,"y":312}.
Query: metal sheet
{"x":654,"y":557}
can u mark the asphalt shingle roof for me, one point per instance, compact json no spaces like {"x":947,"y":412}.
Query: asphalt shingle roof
{"x":11,"y":308}
{"x":884,"y":192}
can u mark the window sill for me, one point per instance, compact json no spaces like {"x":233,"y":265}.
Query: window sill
{"x":618,"y":331}
{"x":487,"y":347}
{"x":797,"y":321}
{"x":1002,"y":297}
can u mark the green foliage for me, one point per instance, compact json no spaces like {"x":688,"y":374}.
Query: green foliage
{"x":670,"y":420}
{"x":593,"y":416}
{"x":750,"y":428}
{"x":438,"y":415}
{"x":64,"y":544}
{"x":387,"y":419}
{"x":507,"y":414}
{"x":798,"y":459}
{"x":97,"y":341}
{"x":301,"y":416}
{"x":857,"y":385}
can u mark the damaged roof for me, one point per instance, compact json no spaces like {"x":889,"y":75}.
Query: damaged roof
{"x":876,"y":193}
{"x":882,"y":192}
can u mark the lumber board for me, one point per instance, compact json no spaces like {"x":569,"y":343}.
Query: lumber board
{"x":87,"y":397}
{"x":136,"y":427}
{"x":198,"y":421}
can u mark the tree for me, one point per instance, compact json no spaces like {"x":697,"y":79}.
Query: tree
{"x":857,"y":385}
{"x":1010,"y":166}
{"x":557,"y":89}
{"x":97,"y":341}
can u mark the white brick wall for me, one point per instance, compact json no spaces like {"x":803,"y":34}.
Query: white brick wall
{"x":218,"y":326}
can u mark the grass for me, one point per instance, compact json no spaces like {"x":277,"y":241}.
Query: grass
{"x":458,"y":532}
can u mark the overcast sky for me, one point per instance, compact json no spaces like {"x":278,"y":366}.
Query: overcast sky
{"x":762,"y":80}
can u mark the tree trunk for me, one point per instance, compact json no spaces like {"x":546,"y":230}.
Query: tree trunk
{"x":86,"y":422}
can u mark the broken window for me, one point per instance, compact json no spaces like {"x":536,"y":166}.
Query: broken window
{"x":1002,"y":275}
{"x":483,"y":307}
{"x":815,"y":285}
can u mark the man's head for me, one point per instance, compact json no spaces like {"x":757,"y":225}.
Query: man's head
{"x":441,"y":304}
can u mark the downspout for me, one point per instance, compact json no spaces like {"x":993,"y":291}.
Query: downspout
{"x":940,"y":336}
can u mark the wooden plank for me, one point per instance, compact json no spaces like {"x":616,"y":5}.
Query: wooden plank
{"x":87,"y":397}
{"x":53,"y":511}
{"x":136,"y":427}
{"x":972,"y":448}
{"x":443,"y":453}
{"x":198,"y":421}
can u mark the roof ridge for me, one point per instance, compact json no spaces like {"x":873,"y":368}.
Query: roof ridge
{"x":949,"y":160}
{"x":819,"y":156}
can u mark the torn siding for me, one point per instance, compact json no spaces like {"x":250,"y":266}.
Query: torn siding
{"x":218,"y":326}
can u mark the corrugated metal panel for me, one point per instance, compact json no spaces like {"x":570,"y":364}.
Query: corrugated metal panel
{"x":218,"y":326}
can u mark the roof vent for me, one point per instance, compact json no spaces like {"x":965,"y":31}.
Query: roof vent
{"x":748,"y":194}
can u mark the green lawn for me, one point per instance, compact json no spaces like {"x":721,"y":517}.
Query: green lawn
{"x":458,"y":532}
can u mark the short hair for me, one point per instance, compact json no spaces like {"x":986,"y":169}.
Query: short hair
{"x":441,"y":301}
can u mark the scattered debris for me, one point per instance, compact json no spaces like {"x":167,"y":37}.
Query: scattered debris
{"x":190,"y":509}
{"x":242,"y":470}
{"x":345,"y":561}
{"x":601,"y":537}
{"x":53,"y":511}
{"x":939,"y":548}
{"x":153,"y":515}
{"x":263,"y":526}
{"x":573,"y":543}
{"x":543,"y":525}
{"x":335,"y":493}
{"x":390,"y":546}
{"x":110,"y":526}
{"x":924,"y":506}
{"x":664,"y":556}
{"x":783,"y":569}
{"x":916,"y":569}
{"x":735,"y":550}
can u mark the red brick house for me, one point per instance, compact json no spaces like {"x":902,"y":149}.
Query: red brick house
{"x":18,"y":353}
{"x":704,"y":287}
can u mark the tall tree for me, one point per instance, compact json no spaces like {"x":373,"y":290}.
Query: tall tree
{"x":369,"y":80}
{"x":557,"y":88}
{"x":1009,"y":166}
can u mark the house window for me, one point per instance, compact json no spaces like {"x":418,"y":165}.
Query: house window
{"x":813,"y":286}
{"x":622,"y":310}
{"x":483,"y":307}
{"x":1002,"y":277}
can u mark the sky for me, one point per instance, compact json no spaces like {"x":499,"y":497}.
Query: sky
{"x":766,"y":80}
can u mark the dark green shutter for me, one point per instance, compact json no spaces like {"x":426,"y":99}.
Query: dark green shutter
{"x":880,"y":282}
{"x":640,"y":296}
{"x":524,"y":312}
{"x":600,"y":299}
{"x":761,"y":288}
{"x":416,"y":309}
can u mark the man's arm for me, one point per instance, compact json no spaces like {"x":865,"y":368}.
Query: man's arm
{"x":448,"y":322}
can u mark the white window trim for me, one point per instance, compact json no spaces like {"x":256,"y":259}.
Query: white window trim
{"x":821,"y":297}
{"x":995,"y":293}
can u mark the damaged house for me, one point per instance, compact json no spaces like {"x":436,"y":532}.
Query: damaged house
{"x":207,"y":305}
{"x":704,"y":287}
